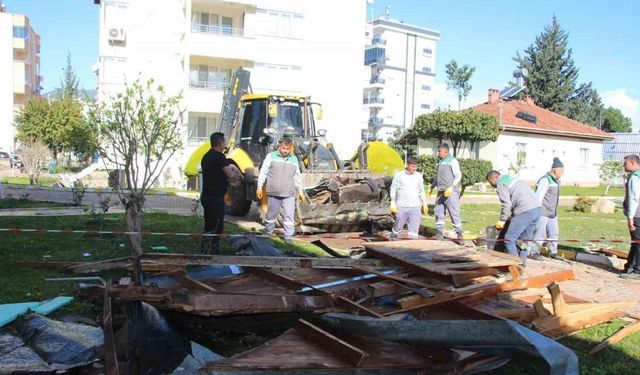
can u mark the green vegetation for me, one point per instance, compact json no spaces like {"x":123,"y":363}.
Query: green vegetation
{"x":473,"y":170}
{"x":24,"y":180}
{"x":24,"y":203}
{"x":573,"y":191}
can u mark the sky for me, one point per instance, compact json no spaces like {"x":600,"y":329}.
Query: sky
{"x":603,"y":35}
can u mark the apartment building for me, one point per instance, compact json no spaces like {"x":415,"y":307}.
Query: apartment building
{"x":400,"y":70}
{"x":311,"y":47}
{"x":20,"y":67}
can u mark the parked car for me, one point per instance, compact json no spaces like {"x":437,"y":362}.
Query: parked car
{"x":4,"y":155}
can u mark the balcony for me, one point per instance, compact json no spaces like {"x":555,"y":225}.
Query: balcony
{"x":209,"y":85}
{"x":205,"y":100}
{"x":376,"y":83}
{"x":220,"y":42}
{"x":378,"y":41}
{"x":376,"y":121}
{"x":373,"y":101}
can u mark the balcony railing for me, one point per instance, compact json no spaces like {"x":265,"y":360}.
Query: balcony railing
{"x":377,"y":41}
{"x":373,"y":100}
{"x":376,"y":80}
{"x":217,"y":29}
{"x":209,"y":85}
{"x":376,"y":120}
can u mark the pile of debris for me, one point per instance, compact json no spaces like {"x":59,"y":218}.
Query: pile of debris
{"x":403,"y":307}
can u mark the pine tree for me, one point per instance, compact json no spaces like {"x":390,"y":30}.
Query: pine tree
{"x":586,"y":106}
{"x":69,"y":82}
{"x":552,"y":72}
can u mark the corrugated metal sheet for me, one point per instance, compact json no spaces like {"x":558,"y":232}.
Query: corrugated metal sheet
{"x":622,"y":144}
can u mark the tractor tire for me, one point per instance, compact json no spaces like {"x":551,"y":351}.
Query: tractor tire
{"x":235,"y":200}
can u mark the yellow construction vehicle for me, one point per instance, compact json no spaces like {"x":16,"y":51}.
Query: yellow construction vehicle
{"x":339,"y":195}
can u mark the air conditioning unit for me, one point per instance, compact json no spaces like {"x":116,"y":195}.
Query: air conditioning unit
{"x":116,"y":34}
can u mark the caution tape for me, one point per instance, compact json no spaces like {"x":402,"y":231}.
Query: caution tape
{"x":256,"y":235}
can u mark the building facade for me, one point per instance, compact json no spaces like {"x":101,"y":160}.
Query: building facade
{"x":530,"y":138}
{"x":400,"y":70}
{"x":194,"y":46}
{"x":20,"y":67}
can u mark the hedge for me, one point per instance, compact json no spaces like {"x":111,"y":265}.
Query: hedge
{"x":473,"y":170}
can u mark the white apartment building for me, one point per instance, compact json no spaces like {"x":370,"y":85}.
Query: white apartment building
{"x":310,"y":47}
{"x":400,"y":66}
{"x":20,"y":67}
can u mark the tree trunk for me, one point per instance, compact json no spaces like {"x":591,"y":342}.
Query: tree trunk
{"x":606,"y":190}
{"x":134,"y":216}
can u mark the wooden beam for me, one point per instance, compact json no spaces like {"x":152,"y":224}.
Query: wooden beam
{"x":103,"y":265}
{"x":538,"y":306}
{"x":617,"y":337}
{"x":258,"y":261}
{"x":554,"y":322}
{"x":559,"y":306}
{"x":276,"y":277}
{"x":353,"y":355}
{"x":180,"y":275}
{"x":54,"y":264}
{"x":391,"y":277}
{"x":355,"y":307}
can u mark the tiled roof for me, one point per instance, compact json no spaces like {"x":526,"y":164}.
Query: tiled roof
{"x":548,"y":122}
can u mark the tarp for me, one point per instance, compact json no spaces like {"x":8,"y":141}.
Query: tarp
{"x":497,"y":337}
{"x":10,"y":311}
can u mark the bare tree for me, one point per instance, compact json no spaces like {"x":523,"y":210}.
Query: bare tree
{"x":34,"y":156}
{"x":140,"y":129}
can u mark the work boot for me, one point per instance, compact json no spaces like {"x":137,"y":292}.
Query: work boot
{"x":439,"y":236}
{"x":630,"y":276}
{"x":555,"y":256}
{"x":536,"y":257}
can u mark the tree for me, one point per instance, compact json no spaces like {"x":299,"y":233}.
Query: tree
{"x":473,"y":170}
{"x":553,"y":76}
{"x":59,"y":123}
{"x":458,"y":79}
{"x":611,"y":171}
{"x":140,"y":130}
{"x":614,"y":121}
{"x":460,"y":127}
{"x":34,"y":155}
{"x":69,"y":82}
{"x":552,"y":72}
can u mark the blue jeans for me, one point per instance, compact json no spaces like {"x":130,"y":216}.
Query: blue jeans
{"x":521,"y":227}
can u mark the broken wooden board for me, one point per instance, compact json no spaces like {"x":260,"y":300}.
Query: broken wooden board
{"x":617,"y":337}
{"x":440,"y":259}
{"x":353,"y":355}
{"x":581,"y":318}
{"x":257,"y":261}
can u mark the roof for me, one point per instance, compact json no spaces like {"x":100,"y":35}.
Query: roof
{"x":548,"y":122}
{"x":390,"y":22}
{"x":620,"y":146}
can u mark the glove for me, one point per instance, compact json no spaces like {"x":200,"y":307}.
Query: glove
{"x":301,"y":196}
{"x":429,"y":193}
{"x":393,"y":209}
{"x":499,"y":224}
{"x":425,"y":209}
{"x":259,"y":194}
{"x":448,"y":191}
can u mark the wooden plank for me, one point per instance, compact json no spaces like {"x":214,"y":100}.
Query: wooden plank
{"x":54,"y":264}
{"x":617,"y":337}
{"x":265,"y":262}
{"x":383,"y":288}
{"x":181,"y":277}
{"x":559,"y":306}
{"x":538,"y":306}
{"x":516,"y":272}
{"x":584,"y":323}
{"x":554,"y":322}
{"x":617,"y":253}
{"x":391,"y":277}
{"x":103,"y":265}
{"x":355,"y":307}
{"x":276,"y":277}
{"x":353,"y":355}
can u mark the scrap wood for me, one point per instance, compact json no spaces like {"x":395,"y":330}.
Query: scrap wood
{"x":46,"y":264}
{"x":616,"y":337}
{"x":559,"y":306}
{"x":180,"y":275}
{"x":328,"y":250}
{"x":353,"y":355}
{"x":110,"y":356}
{"x":259,"y":261}
{"x":355,"y":307}
{"x":103,"y":265}
{"x":576,"y":319}
{"x":616,"y":253}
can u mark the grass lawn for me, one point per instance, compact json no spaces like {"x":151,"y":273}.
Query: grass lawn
{"x":24,"y":203}
{"x":567,"y":190}
{"x":23,"y":180}
{"x":21,"y":284}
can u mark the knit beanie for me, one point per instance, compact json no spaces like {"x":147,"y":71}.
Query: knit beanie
{"x":557,"y":163}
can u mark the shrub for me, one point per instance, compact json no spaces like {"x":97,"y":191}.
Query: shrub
{"x":583,"y":204}
{"x":473,"y":170}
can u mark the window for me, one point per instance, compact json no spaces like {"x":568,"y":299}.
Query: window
{"x":212,"y":23}
{"x":209,"y":77}
{"x":426,"y":69}
{"x":521,"y":155}
{"x":584,"y":157}
{"x":426,"y":88}
{"x":281,"y":23}
{"x":425,"y":106}
{"x":20,"y":32}
{"x":427,"y":51}
{"x":200,"y":127}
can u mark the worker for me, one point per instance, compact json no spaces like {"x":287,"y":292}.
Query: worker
{"x":520,"y":203}
{"x":548,"y":193}
{"x":408,"y":200}
{"x":281,"y":173}
{"x":448,"y":176}
{"x":216,"y":176}
{"x":631,"y":207}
